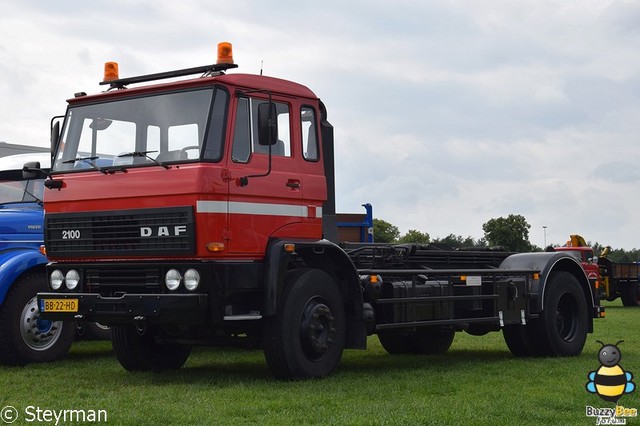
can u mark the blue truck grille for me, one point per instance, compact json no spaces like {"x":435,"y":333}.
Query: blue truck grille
{"x":168,"y":231}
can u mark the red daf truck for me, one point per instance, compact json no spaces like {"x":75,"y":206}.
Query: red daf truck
{"x":201,"y":211}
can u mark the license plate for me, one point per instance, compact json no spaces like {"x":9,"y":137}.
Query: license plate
{"x":59,"y":305}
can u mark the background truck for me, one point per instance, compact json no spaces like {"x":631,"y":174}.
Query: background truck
{"x":356,"y":227}
{"x":613,"y":279}
{"x":202,"y":212}
{"x":24,"y":336}
{"x":619,"y":279}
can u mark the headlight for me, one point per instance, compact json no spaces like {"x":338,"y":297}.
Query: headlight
{"x":172,"y":279}
{"x":72,"y":279}
{"x":56,"y":279}
{"x":191,"y":279}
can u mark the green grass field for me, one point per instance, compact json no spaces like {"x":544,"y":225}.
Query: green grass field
{"x":477,"y":382}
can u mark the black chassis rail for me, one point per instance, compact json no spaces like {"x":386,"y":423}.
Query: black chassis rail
{"x":188,"y":309}
{"x":504,"y":312}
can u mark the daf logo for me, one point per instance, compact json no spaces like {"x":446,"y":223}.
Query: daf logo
{"x":163,"y":231}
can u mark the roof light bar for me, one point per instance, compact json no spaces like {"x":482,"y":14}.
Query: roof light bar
{"x":225,"y":62}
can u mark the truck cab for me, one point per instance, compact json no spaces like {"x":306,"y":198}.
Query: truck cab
{"x":576,"y":246}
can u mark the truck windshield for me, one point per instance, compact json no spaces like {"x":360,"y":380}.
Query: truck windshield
{"x":144,"y":131}
{"x":20,"y":191}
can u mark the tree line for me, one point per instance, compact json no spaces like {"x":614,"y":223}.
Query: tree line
{"x":510,"y":233}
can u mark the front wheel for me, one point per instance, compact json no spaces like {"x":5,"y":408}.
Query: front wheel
{"x":306,"y":337}
{"x":137,"y":352}
{"x":24,"y":336}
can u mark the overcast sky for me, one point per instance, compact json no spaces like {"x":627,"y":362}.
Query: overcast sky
{"x":446,"y":113}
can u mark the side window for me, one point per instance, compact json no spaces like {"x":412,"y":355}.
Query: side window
{"x":245,"y":138}
{"x":242,"y":135}
{"x":309,"y":133}
{"x":283,"y":146}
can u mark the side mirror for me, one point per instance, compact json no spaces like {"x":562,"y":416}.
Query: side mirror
{"x":31,"y":170}
{"x":267,"y":124}
{"x":55,"y":132}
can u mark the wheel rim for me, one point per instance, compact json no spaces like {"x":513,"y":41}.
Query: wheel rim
{"x":38,"y":334}
{"x":567,"y":317}
{"x":317,"y":329}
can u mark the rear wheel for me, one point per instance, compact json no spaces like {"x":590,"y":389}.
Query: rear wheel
{"x":422,"y":341}
{"x":306,"y":337}
{"x":561,"y":328}
{"x":432,"y":341}
{"x":631,"y":295}
{"x":24,"y":336}
{"x":137,"y":352}
{"x":520,"y":341}
{"x":395,"y":343}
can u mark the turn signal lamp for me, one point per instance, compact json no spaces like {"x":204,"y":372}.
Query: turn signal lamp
{"x":215,"y":247}
{"x":111,"y":71}
{"x":289,"y":247}
{"x":43,"y":250}
{"x":225,"y":53}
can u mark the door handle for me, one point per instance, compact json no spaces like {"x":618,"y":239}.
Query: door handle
{"x":293,"y":184}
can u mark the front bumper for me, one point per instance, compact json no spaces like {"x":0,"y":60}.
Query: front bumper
{"x":174,"y":309}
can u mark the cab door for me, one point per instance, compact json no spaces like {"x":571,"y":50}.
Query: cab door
{"x":265,"y":192}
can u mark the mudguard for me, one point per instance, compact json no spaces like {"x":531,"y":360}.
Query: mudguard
{"x":546,"y":263}
{"x":14,"y":263}
{"x":325,"y":255}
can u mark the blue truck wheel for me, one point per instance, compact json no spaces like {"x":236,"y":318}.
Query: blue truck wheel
{"x":24,"y":337}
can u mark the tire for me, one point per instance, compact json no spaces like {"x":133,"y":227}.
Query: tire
{"x":421,"y":342}
{"x":631,"y":295}
{"x":432,"y":342}
{"x":396,"y":343}
{"x":24,"y":337}
{"x":94,"y":331}
{"x":306,"y":337}
{"x":562,"y":327}
{"x":520,"y":341}
{"x":142,"y":353}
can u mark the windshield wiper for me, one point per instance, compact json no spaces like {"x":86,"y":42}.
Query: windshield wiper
{"x":144,"y":154}
{"x":87,"y":160}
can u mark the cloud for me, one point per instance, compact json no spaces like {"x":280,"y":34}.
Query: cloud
{"x":446,"y":113}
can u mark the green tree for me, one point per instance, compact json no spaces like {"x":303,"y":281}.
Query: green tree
{"x":512,"y":233}
{"x":458,"y":241}
{"x":413,"y":236}
{"x":384,"y":232}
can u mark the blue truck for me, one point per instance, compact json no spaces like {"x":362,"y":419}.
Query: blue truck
{"x":24,"y":336}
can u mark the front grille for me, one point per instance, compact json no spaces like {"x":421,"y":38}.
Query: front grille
{"x":115,"y":281}
{"x":167,"y":231}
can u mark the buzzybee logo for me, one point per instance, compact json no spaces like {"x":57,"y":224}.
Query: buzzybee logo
{"x":610,"y":382}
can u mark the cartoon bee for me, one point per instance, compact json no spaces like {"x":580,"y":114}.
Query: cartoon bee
{"x":610,"y":381}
